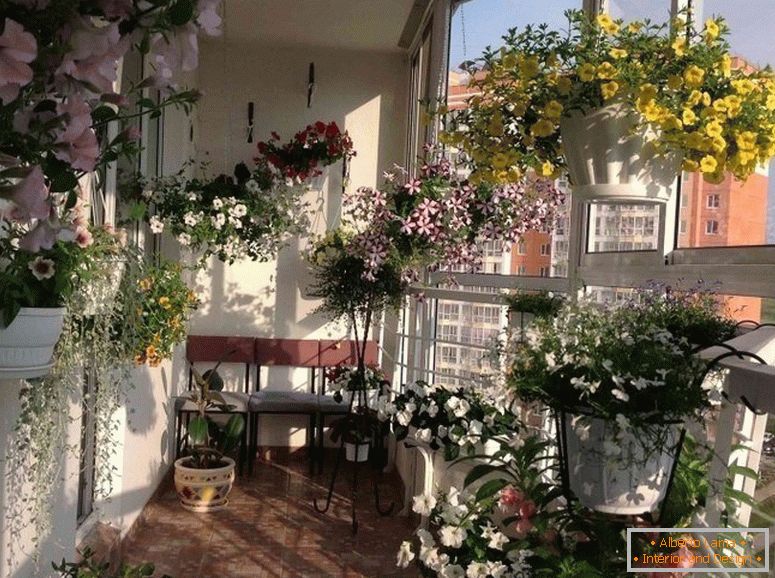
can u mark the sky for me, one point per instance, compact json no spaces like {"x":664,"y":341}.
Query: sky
{"x":480,"y":23}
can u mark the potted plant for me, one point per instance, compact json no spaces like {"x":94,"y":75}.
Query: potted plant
{"x":357,"y":430}
{"x":623,"y":385}
{"x":204,"y":477}
{"x":53,"y":132}
{"x":343,"y":378}
{"x":159,"y":305}
{"x":620,"y":107}
{"x":454,"y":420}
{"x":525,"y":306}
{"x":249,"y":214}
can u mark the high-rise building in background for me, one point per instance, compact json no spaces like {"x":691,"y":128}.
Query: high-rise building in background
{"x":710,"y":215}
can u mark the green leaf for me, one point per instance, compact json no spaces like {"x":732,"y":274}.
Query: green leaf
{"x":234,"y":428}
{"x":490,"y":488}
{"x":137,"y":211}
{"x":63,"y":182}
{"x":478,"y":472}
{"x":737,"y":470}
{"x":181,"y":12}
{"x":451,"y":452}
{"x":103,"y":114}
{"x":197,"y":431}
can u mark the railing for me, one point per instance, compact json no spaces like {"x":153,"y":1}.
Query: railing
{"x":741,"y":420}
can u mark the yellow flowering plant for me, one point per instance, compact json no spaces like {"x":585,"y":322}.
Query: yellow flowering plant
{"x":159,"y":312}
{"x":714,"y":110}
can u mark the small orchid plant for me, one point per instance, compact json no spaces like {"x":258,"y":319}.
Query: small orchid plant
{"x":59,"y":65}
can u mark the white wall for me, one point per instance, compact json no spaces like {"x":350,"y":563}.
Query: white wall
{"x":364,"y":92}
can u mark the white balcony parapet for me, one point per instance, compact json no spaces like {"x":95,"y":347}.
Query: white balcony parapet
{"x":749,"y":385}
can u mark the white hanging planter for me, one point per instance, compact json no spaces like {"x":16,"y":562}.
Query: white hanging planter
{"x":630,"y":483}
{"x":204,"y":490}
{"x":609,"y":159}
{"x":27,"y":344}
{"x":356,"y":452}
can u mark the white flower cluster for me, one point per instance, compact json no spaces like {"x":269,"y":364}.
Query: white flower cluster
{"x":457,"y":517}
{"x":443,"y":416}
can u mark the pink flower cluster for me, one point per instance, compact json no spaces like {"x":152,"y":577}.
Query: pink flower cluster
{"x":438,"y":220}
{"x":512,"y":502}
{"x":52,"y":82}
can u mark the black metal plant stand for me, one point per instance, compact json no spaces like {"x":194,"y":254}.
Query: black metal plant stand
{"x":362,"y":405}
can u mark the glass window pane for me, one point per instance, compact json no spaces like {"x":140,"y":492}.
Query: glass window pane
{"x":465,"y":336}
{"x":478,"y":24}
{"x":623,"y":227}
{"x":744,"y":213}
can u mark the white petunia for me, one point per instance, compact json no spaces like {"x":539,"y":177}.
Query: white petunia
{"x":252,"y":186}
{"x":452,"y":536}
{"x":475,"y":428}
{"x":423,"y":504}
{"x":497,"y":569}
{"x":424,"y":435}
{"x":217,"y":204}
{"x":190,"y":219}
{"x":442,"y":431}
{"x":452,"y":571}
{"x":218,"y":221}
{"x":462,"y":408}
{"x":640,"y":383}
{"x":405,"y":555}
{"x":433,"y":409}
{"x":157,"y":225}
{"x":477,"y":570}
{"x":498,"y":540}
{"x":238,"y":210}
{"x":192,"y":196}
{"x":620,"y":395}
{"x":404,"y":417}
{"x":184,"y":239}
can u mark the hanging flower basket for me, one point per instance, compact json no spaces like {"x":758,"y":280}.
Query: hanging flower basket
{"x":100,"y":297}
{"x":204,"y":490}
{"x":356,"y":452}
{"x":27,"y":344}
{"x":609,"y":157}
{"x":613,"y":476}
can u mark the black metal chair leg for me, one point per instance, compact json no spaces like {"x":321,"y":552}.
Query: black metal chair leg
{"x":243,"y":449}
{"x":311,"y":445}
{"x":321,"y":443}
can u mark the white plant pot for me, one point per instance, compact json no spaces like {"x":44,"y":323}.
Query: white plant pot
{"x":607,"y":159}
{"x":356,"y":452}
{"x":27,"y":344}
{"x":203,"y":490}
{"x":633,"y":482}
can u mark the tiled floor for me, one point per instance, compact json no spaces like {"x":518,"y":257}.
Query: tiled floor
{"x":271,"y":529}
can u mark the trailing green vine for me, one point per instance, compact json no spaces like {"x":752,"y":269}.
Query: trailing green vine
{"x":103,"y":327}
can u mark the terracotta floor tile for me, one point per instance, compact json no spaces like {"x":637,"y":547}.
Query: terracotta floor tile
{"x":271,"y":529}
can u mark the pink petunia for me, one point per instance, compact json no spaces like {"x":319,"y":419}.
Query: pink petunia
{"x":30,"y":196}
{"x":17,"y":49}
{"x":41,"y":236}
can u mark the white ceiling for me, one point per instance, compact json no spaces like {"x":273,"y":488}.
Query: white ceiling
{"x":351,"y":24}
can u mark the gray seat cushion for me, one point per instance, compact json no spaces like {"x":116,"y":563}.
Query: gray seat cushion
{"x":237,"y":399}
{"x":328,"y":404}
{"x":283,"y":401}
